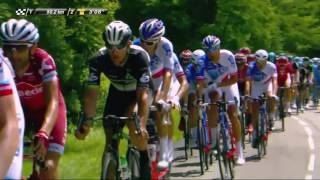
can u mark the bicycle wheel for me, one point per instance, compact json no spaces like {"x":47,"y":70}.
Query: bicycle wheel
{"x":281,"y":111}
{"x":186,"y":137}
{"x":133,"y":158}
{"x":201,"y":148}
{"x":225,"y":163}
{"x":110,"y":167}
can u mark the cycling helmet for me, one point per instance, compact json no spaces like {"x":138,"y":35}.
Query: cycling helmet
{"x":240,"y":58}
{"x":19,"y":32}
{"x":261,"y":54}
{"x":251,"y":57}
{"x":117,"y":33}
{"x":245,"y":51}
{"x":151,"y":29}
{"x":185,"y":56}
{"x":196,"y":54}
{"x":211,"y":43}
{"x":290,"y":58}
{"x":272,"y":57}
{"x":282,"y":60}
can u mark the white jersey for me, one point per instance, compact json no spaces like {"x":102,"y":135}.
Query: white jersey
{"x":261,"y":76}
{"x":8,"y":87}
{"x":220,"y":71}
{"x":161,"y":61}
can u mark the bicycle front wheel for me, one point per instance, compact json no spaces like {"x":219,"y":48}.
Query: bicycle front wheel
{"x":133,"y":157}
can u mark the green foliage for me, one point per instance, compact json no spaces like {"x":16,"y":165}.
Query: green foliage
{"x":290,"y":26}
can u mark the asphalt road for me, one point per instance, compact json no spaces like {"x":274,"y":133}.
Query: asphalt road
{"x":293,"y":154}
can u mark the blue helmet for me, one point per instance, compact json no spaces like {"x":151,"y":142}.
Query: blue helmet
{"x":211,"y":43}
{"x":151,"y":29}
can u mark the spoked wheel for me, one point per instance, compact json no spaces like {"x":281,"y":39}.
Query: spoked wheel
{"x":201,"y":149}
{"x":225,"y":163}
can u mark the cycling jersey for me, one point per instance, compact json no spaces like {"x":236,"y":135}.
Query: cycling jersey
{"x":283,"y":74}
{"x":7,"y":87}
{"x":305,"y":72}
{"x":161,"y":61}
{"x":134,"y":73}
{"x":177,"y":70}
{"x":42,"y":69}
{"x":261,"y":79}
{"x":316,"y":74}
{"x":242,"y":74}
{"x":220,"y":71}
{"x":124,"y":80}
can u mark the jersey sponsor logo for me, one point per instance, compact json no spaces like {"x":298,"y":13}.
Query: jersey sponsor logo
{"x":216,"y":70}
{"x":154,"y":63}
{"x":167,"y":49}
{"x":92,"y":77}
{"x":28,"y":90}
{"x":145,"y":78}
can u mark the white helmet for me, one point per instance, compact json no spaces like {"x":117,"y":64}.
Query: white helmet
{"x":19,"y":32}
{"x":116,"y":33}
{"x":261,"y":54}
{"x":198,"y":53}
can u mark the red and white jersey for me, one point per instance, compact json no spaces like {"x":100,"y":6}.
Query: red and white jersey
{"x":8,"y":87}
{"x":30,"y":86}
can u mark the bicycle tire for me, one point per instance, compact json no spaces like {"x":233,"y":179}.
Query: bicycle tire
{"x":225,"y":164}
{"x":133,"y":158}
{"x":186,"y":137}
{"x":201,"y":148}
{"x":110,"y":164}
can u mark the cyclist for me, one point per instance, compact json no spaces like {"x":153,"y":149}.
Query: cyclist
{"x":245,"y":50}
{"x":262,"y":75}
{"x":160,"y":50}
{"x":284,"y":79}
{"x":251,"y":58}
{"x":316,"y":79}
{"x":39,"y":90}
{"x":221,"y":68}
{"x":272,"y":57}
{"x":126,"y":66}
{"x":189,"y":60}
{"x":305,"y":80}
{"x":11,"y":123}
{"x":242,"y":67}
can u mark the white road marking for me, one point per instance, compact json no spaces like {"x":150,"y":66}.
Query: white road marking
{"x":312,"y":157}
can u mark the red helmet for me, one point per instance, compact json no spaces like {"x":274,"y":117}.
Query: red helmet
{"x":240,"y":58}
{"x":282,"y":60}
{"x":245,"y":50}
{"x":185,"y":56}
{"x":251,"y":57}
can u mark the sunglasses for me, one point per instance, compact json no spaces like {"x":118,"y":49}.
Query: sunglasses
{"x":119,"y":46}
{"x":210,"y":50}
{"x":148,"y":43}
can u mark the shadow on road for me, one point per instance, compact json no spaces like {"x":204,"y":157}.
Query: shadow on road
{"x":191,"y":173}
{"x":187,"y":164}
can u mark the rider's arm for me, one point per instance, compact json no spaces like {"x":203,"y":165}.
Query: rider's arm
{"x":201,"y":84}
{"x":144,"y":87}
{"x":92,"y":89}
{"x":275,"y":82}
{"x":166,"y":84}
{"x":9,"y":136}
{"x":232,"y":70}
{"x":184,"y":86}
{"x":50,"y":89}
{"x":232,"y":80}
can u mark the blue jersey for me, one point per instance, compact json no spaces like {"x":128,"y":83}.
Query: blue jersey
{"x":316,"y":74}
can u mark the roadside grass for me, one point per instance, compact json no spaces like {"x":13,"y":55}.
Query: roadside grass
{"x":82,"y":159}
